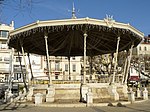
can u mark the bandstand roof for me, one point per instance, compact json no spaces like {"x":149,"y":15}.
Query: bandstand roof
{"x":65,"y":37}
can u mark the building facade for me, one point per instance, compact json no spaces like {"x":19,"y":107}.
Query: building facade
{"x":61,"y":67}
{"x":10,"y":61}
{"x":143,"y":48}
{"x":141,"y":60}
{"x":5,"y":52}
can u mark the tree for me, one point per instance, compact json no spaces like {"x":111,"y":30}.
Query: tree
{"x":19,"y":6}
{"x":102,"y":65}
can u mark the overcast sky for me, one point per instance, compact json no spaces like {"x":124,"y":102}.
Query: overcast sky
{"x":135,"y":12}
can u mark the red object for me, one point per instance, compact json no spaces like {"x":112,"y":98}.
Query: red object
{"x":134,"y":78}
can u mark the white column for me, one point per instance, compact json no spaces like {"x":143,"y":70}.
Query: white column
{"x":145,"y":94}
{"x":91,"y":66}
{"x":125,"y":68}
{"x":24,"y":81}
{"x":84,"y":62}
{"x":131,"y":96}
{"x":69,"y":67}
{"x":138,"y":93}
{"x":89,"y":97}
{"x":11,"y":69}
{"x":25,"y":65}
{"x":38,"y":99}
{"x":50,"y":95}
{"x":30,"y":66}
{"x":113,"y":80}
{"x":129,"y":59}
{"x":47,"y":54}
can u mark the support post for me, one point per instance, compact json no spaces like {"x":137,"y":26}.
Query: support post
{"x":24,"y":81}
{"x":8,"y":93}
{"x":89,"y":97}
{"x":69,"y":67}
{"x":129,"y":59}
{"x":116,"y":58}
{"x":47,"y":55}
{"x":84,"y":62}
{"x":22,"y":49}
{"x":11,"y":70}
{"x":30,"y":67}
{"x":91,"y":66}
{"x":145,"y":94}
{"x":125,"y":68}
{"x":84,"y":87}
{"x":131,"y":96}
{"x":138,"y":93}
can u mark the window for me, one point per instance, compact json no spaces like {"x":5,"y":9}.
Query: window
{"x":145,"y":48}
{"x":57,"y":66}
{"x":6,"y":59}
{"x":4,"y":34}
{"x":18,"y":59}
{"x":131,"y":70}
{"x":73,"y":58}
{"x":140,"y":48}
{"x":66,"y":67}
{"x":3,"y":42}
{"x":0,"y":58}
{"x":19,"y":75}
{"x":56,"y":76}
{"x":74,"y":68}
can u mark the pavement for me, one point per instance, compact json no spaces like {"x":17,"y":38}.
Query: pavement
{"x":138,"y":106}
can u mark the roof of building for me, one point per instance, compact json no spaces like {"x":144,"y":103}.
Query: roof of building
{"x":146,"y":40}
{"x":65,"y":37}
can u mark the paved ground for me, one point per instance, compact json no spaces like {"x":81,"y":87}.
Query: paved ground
{"x":136,"y":107}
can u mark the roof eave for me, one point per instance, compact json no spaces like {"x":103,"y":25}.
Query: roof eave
{"x":75,"y":22}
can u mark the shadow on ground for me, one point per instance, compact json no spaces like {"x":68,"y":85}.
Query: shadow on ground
{"x":11,"y":106}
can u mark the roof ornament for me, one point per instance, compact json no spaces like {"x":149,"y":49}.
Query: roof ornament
{"x":73,"y":12}
{"x":109,"y":20}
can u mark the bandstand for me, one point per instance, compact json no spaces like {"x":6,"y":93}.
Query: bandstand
{"x":78,"y":37}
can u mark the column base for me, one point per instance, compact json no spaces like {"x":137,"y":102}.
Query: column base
{"x":125,"y":90}
{"x":84,"y":91}
{"x":113,"y":92}
{"x":51,"y":93}
{"x":30,"y":94}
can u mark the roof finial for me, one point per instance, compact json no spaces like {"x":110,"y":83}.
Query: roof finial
{"x":73,"y":12}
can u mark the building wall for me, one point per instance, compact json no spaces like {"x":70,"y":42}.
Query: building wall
{"x":5,"y":52}
{"x":143,"y":48}
{"x":59,"y":67}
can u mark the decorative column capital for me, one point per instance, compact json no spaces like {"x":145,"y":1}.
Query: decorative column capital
{"x":45,"y":36}
{"x":85,"y":34}
{"x":118,"y":38}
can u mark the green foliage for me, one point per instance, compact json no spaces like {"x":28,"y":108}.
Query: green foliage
{"x":21,"y":87}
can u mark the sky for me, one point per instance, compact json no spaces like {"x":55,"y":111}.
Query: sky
{"x":23,"y":12}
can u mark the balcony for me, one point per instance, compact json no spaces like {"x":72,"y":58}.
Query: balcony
{"x":3,"y":38}
{"x":3,"y":46}
{"x":53,"y":70}
{"x":5,"y":68}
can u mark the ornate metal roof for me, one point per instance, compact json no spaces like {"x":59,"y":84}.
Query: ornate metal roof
{"x":65,"y":37}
